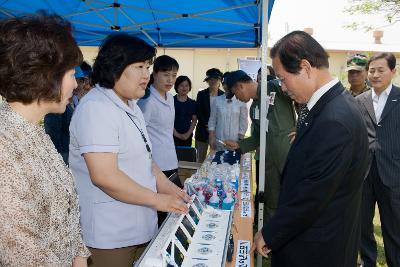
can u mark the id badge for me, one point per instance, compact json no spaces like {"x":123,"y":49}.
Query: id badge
{"x":257,"y":113}
{"x":272,"y":98}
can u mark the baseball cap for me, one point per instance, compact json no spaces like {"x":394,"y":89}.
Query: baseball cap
{"x":79,"y":72}
{"x":357,"y":62}
{"x":234,"y":76}
{"x":213,"y":73}
{"x":225,"y":77}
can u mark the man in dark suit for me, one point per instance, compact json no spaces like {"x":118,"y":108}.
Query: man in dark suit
{"x":203,"y":104}
{"x":317,"y":222}
{"x":381,"y":111}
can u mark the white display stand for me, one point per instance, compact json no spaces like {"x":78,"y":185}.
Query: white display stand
{"x":197,"y":239}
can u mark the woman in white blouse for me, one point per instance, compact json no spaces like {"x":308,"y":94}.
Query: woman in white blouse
{"x":120,"y":187}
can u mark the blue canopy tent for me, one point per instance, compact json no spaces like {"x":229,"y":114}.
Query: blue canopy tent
{"x":168,"y":23}
{"x":164,"y":23}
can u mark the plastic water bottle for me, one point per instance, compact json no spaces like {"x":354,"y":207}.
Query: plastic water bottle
{"x":200,"y":196}
{"x":218,"y":182}
{"x":214,"y":200}
{"x":228,"y":202}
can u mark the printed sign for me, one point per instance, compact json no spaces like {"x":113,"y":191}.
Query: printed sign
{"x":243,"y":254}
{"x":245,"y":185}
{"x":245,"y":196}
{"x":246,"y":209}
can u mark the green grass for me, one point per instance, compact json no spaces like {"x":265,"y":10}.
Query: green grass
{"x":381,"y":261}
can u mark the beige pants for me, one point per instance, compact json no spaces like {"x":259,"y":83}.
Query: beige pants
{"x":118,"y":257}
{"x":202,"y":148}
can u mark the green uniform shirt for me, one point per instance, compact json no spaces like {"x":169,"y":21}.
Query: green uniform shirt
{"x":282,"y":121}
{"x":366,"y":88}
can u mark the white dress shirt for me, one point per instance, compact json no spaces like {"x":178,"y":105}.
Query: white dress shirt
{"x":228,"y":119}
{"x":379,"y":101}
{"x":320,"y":92}
{"x":159,"y":114}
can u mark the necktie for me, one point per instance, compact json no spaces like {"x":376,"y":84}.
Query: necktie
{"x":302,"y":115}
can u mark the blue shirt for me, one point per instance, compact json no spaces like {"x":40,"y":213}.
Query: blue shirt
{"x":183,"y":114}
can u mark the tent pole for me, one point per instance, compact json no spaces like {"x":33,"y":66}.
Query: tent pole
{"x":263,"y":116}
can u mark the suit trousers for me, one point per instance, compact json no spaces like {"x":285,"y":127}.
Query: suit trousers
{"x":388,"y":199}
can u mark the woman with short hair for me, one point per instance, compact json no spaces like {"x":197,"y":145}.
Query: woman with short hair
{"x":120,"y":186}
{"x":39,"y":210}
{"x":185,"y":112}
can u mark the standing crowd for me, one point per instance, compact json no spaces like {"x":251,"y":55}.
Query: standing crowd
{"x":92,"y":187}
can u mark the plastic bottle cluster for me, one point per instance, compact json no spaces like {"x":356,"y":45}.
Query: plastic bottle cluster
{"x":215,"y":184}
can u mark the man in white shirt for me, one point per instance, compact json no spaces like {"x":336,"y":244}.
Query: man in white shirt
{"x":381,"y":113}
{"x":228,"y":120}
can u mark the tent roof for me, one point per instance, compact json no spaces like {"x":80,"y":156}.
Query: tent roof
{"x":164,"y":23}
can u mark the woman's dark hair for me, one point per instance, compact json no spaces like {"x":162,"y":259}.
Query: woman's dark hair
{"x":389,"y":57}
{"x":86,"y":68}
{"x":165,"y":63}
{"x":180,"y":80}
{"x":116,"y":53}
{"x":296,"y":46}
{"x":35,"y":53}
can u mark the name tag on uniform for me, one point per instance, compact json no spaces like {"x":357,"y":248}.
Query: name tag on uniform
{"x":256,"y":113}
{"x":272,"y":98}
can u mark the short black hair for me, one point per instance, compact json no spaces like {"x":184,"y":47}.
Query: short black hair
{"x":165,"y":63}
{"x":116,"y":53}
{"x":180,"y":80}
{"x":35,"y":53}
{"x":296,"y":46}
{"x":389,"y":57}
{"x":86,"y":68}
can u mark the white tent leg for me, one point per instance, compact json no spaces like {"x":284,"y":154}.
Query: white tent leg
{"x":263,"y":115}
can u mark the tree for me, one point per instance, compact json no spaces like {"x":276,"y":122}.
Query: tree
{"x":389,"y":8}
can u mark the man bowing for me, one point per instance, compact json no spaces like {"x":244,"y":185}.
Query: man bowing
{"x":317,"y":222}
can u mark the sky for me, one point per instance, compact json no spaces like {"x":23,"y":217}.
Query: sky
{"x":328,"y":19}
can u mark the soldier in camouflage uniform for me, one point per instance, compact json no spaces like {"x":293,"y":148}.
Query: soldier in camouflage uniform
{"x":357,"y":74}
{"x":281,"y":126}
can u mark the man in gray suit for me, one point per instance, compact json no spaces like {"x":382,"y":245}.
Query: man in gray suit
{"x":381,"y":110}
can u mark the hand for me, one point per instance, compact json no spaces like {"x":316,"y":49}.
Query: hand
{"x":291,"y":136}
{"x":211,"y":141}
{"x":170,"y":203}
{"x":259,"y":245}
{"x":186,"y":136}
{"x":182,"y":195}
{"x":230,"y":144}
{"x":179,"y":136}
{"x":79,"y":262}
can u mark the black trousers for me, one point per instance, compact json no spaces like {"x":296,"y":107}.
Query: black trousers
{"x":180,"y":142}
{"x":160,"y":214}
{"x":388,"y":199}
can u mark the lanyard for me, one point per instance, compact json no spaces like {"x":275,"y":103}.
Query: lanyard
{"x":142,"y":134}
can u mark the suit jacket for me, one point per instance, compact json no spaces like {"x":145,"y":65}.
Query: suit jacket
{"x":203,"y":114}
{"x":317,"y":222}
{"x":383,"y":137}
